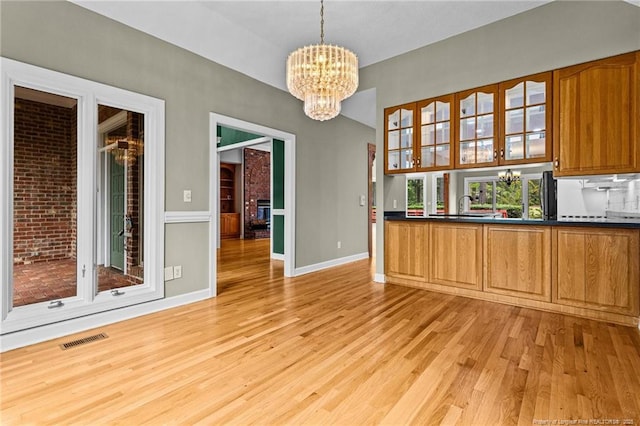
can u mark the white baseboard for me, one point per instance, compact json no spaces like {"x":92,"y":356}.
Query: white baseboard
{"x":379,"y":278}
{"x":330,"y":263}
{"x":277,"y":256}
{"x":76,"y":325}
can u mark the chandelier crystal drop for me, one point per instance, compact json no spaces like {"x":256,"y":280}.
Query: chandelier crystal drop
{"x":322,"y":75}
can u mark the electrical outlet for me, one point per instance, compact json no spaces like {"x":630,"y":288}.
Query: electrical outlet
{"x":177,"y":272}
{"x":168,"y":273}
{"x":339,"y":244}
{"x":186,"y":195}
{"x":395,"y":204}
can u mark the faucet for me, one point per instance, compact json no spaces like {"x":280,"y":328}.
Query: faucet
{"x":461,"y":202}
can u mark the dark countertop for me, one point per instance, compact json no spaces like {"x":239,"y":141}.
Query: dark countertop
{"x":595,"y":223}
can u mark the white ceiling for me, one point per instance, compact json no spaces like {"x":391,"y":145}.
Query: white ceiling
{"x":255,"y":37}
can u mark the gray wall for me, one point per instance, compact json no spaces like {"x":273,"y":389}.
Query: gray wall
{"x":331,"y":156}
{"x":552,"y":36}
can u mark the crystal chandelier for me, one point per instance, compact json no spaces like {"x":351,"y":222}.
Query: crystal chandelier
{"x":322,"y":76}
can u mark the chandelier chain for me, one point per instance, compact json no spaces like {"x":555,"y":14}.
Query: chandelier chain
{"x":321,"y":21}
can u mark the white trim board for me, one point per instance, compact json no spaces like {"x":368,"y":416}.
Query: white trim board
{"x":43,"y":333}
{"x":187,"y":216}
{"x":330,"y":263}
{"x":379,"y":278}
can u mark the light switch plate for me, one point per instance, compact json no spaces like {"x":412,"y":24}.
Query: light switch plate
{"x":186,"y":195}
{"x":168,"y":273}
{"x":177,"y":272}
{"x":362,"y":200}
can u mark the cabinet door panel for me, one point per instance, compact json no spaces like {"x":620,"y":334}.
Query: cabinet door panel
{"x":596,"y":117}
{"x":456,"y":252}
{"x":406,"y":250}
{"x":518,"y":261}
{"x":597,"y":268}
{"x":399,"y":138}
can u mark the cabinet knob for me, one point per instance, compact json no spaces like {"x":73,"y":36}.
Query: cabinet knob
{"x":502,"y":153}
{"x":556,"y":162}
{"x":495,"y":154}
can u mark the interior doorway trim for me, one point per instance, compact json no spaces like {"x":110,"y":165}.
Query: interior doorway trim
{"x":289,"y":139}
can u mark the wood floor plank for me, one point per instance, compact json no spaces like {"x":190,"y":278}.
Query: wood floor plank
{"x":329,"y":347}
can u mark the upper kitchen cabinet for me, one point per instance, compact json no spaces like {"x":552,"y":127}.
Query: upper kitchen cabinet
{"x":595,"y":112}
{"x":475,"y":116}
{"x":525,"y":108}
{"x":435,"y":135}
{"x":399,"y":139}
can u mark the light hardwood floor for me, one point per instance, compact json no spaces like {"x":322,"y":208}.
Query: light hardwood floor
{"x":328,"y":348}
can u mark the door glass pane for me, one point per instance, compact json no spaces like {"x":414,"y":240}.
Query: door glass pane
{"x":442,"y":111}
{"x":428,"y":156}
{"x":467,"y":152}
{"x":442,"y":132}
{"x":535,"y":93}
{"x":393,"y":158}
{"x":481,"y":197}
{"x":406,"y":116}
{"x":428,"y":114}
{"x":514,"y":148}
{"x":485,"y":151}
{"x":428,"y":134}
{"x":45,"y":197}
{"x":442,"y":155}
{"x":440,"y":195}
{"x":394,"y":120}
{"x":393,"y":139}
{"x":407,"y":158}
{"x":415,"y":197}
{"x":514,"y":121}
{"x":468,"y":106}
{"x":121,"y":188}
{"x":406,"y":138}
{"x":536,"y":145}
{"x":485,"y":126}
{"x":509,"y":199}
{"x":468,"y":128}
{"x":485,"y":103}
{"x":535,"y":118}
{"x":514,"y":97}
{"x":533,"y":192}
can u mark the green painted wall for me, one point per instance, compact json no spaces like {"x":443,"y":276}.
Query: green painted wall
{"x":233,"y":136}
{"x":277,"y":233}
{"x":277,"y":158}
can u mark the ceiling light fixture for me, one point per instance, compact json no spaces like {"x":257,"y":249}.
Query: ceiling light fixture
{"x":509,"y":177}
{"x":322,"y":75}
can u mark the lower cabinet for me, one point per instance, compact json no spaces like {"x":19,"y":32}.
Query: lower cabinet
{"x":229,"y":225}
{"x":588,"y":271}
{"x":518,"y":261}
{"x":406,"y":250}
{"x":456,"y":255}
{"x":597,"y":268}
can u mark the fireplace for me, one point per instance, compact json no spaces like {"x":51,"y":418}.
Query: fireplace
{"x":264,"y":213}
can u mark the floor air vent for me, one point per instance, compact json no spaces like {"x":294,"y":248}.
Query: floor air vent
{"x":82,"y":341}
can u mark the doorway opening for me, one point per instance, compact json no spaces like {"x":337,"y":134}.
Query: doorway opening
{"x":270,"y":214}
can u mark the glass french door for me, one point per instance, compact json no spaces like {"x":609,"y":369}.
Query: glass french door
{"x":82,"y":205}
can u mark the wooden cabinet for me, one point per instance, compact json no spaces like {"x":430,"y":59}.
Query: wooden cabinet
{"x":595,"y":110}
{"x":406,"y":250}
{"x":399,"y":156}
{"x":597,"y":268}
{"x":229,"y":225}
{"x":518,"y":261}
{"x":456,"y":255}
{"x":435,"y":134}
{"x":227,"y":187}
{"x":525,"y":124}
{"x":475,"y":117}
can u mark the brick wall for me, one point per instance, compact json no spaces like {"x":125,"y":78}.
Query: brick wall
{"x":257,"y":186}
{"x":44,"y":182}
{"x":135,"y":130}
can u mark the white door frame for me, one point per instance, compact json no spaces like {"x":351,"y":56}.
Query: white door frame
{"x":289,"y":139}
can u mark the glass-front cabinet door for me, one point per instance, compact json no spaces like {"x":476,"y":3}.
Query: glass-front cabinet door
{"x":526,"y":119}
{"x":435,"y":134}
{"x":476,"y":119}
{"x":399,"y":139}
